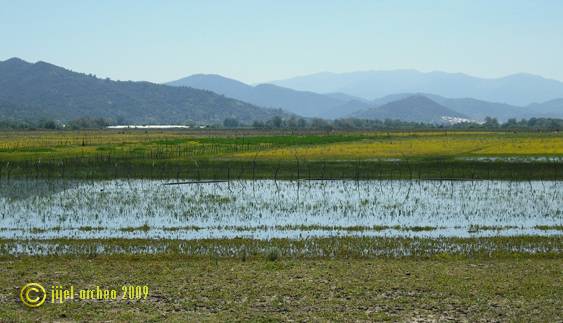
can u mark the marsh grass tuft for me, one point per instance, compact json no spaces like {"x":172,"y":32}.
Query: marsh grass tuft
{"x":272,"y":254}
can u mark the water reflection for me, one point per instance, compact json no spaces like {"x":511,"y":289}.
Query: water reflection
{"x":269,"y":209}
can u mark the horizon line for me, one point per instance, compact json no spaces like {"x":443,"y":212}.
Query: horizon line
{"x":272,"y":81}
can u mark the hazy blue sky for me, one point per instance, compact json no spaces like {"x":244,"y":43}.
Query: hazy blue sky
{"x":265,"y":40}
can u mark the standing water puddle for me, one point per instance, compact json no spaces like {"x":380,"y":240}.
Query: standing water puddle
{"x":267,"y":209}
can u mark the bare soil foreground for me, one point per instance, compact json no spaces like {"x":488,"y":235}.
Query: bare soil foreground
{"x":524,"y":288}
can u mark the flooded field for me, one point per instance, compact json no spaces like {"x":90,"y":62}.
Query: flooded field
{"x":266,"y":209}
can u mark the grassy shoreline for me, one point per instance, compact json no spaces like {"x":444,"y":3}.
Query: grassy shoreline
{"x":509,"y":247}
{"x":187,"y":289}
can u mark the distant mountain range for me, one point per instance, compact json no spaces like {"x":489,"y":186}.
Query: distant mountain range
{"x":471,"y":108}
{"x":415,"y":108}
{"x":516,"y":89}
{"x":304,"y":103}
{"x":551,"y":107}
{"x":479,"y":109}
{"x":42,"y":90}
{"x":341,"y":105}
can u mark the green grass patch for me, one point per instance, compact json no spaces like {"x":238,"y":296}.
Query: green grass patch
{"x":218,"y":290}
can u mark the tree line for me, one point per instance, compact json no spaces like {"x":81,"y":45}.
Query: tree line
{"x":489,"y":123}
{"x":52,"y":124}
{"x":546,"y":124}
